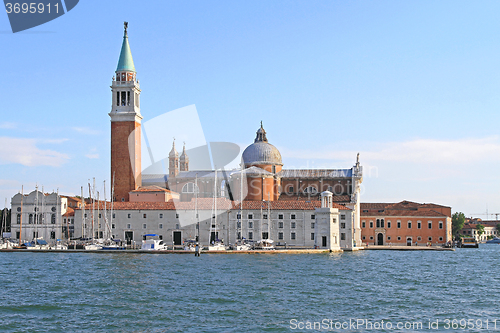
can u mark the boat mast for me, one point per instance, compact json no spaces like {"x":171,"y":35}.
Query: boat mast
{"x":268,"y":216}
{"x":4,"y":219}
{"x":21,"y":225}
{"x":44,"y":230}
{"x":83,"y":214}
{"x":106,"y":227}
{"x":240,"y":229}
{"x":196,"y":208}
{"x":91,"y":213}
{"x":112,"y":200}
{"x":98,"y":218}
{"x":35,"y":235}
{"x":215,"y":204}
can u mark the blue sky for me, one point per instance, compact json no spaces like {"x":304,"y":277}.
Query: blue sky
{"x":411,"y":86}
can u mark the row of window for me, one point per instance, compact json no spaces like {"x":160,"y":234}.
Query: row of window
{"x":381,"y":224}
{"x":399,"y":238}
{"x":36,"y":219}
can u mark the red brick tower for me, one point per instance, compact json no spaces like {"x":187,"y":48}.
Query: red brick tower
{"x":125,"y":126}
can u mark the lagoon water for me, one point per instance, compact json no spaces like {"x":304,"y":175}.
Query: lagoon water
{"x":120,"y":292}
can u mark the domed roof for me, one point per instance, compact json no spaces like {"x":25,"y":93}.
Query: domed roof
{"x":261,"y":151}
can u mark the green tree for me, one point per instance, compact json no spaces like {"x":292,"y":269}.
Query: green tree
{"x":498,"y":227}
{"x":457,"y":221}
{"x":480,"y":229}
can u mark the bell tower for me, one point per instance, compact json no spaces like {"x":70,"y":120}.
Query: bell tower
{"x":125,"y":125}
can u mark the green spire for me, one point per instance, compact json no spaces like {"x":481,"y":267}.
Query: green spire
{"x":125,"y":63}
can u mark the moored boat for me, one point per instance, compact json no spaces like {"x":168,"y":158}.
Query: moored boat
{"x":495,"y":240}
{"x":153,"y":243}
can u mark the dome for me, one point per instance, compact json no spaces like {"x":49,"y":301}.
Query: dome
{"x":261,"y":151}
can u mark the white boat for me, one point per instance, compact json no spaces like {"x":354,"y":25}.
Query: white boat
{"x":217,"y":246}
{"x":153,"y":243}
{"x":190,"y":245}
{"x":265,"y":244}
{"x":59,"y":245}
{"x":38,"y":244}
{"x":243,"y":247}
{"x":93,"y":247}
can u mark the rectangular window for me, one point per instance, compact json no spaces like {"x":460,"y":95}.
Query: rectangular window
{"x":144,"y":226}
{"x":129,"y":215}
{"x":440,"y":225}
{"x":238,"y":225}
{"x":371,"y":224}
{"x":419,"y":225}
{"x":313,"y":217}
{"x":342,"y":236}
{"x":238,"y":216}
{"x":250,"y":225}
{"x":292,"y":216}
{"x":176,"y":216}
{"x":52,"y":235}
{"x":160,"y":215}
{"x":177,"y":226}
{"x":342,"y":225}
{"x":312,"y":225}
{"x":250,"y":235}
{"x":250,"y":216}
{"x":429,"y":225}
{"x":290,"y":189}
{"x":264,"y":216}
{"x":280,"y":225}
{"x":389,"y":224}
{"x":363,"y":224}
{"x":99,"y":215}
{"x":342,"y":217}
{"x":399,"y":224}
{"x":292,"y":236}
{"x":280,"y":216}
{"x":312,"y":235}
{"x":144,"y":216}
{"x":113,"y":226}
{"x":280,"y":235}
{"x":409,"y":224}
{"x":128,"y":226}
{"x":114,"y":215}
{"x":292,"y":225}
{"x":378,"y":223}
{"x":160,"y":226}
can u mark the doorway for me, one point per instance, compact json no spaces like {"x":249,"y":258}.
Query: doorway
{"x":129,"y":236}
{"x":323,"y":241}
{"x":409,"y":241}
{"x":265,"y":235}
{"x":177,"y":237}
{"x":380,"y":239}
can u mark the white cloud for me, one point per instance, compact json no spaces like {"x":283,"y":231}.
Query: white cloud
{"x":86,"y":130}
{"x":8,"y":125}
{"x":92,"y":156}
{"x":25,"y":152}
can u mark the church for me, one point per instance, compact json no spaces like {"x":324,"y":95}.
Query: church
{"x":260,"y":200}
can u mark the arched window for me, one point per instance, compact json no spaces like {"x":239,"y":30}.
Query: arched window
{"x":53,"y":219}
{"x":18,"y":218}
{"x":223,"y":188}
{"x":190,"y":188}
{"x":30,"y":221}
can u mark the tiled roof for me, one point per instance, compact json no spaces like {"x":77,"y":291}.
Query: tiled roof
{"x":373,"y":205}
{"x":286,"y":205}
{"x":69,"y":212}
{"x":403,"y":213}
{"x":316,"y":173}
{"x":317,"y":197}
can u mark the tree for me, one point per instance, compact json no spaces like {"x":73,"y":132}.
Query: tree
{"x":480,"y":230}
{"x":498,"y":227}
{"x":457,"y":221}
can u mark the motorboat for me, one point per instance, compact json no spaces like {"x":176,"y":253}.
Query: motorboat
{"x":113,"y":244}
{"x":495,"y":240}
{"x":93,"y":247}
{"x":469,"y":242}
{"x":265,"y":244}
{"x":217,"y":245}
{"x":38,"y":244}
{"x":153,"y":243}
{"x":243,"y":246}
{"x":190,"y":245}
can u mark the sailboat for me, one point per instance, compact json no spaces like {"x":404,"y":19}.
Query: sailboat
{"x":215,"y":244}
{"x":110,"y":243}
{"x":93,"y":246}
{"x":241,"y":243}
{"x":266,"y":244}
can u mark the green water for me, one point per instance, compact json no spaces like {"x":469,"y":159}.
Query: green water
{"x":115,"y":292}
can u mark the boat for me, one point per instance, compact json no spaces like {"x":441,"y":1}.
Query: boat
{"x":59,"y":245}
{"x":38,"y":244}
{"x":190,"y":245}
{"x":495,"y":240}
{"x":243,"y":246}
{"x":217,"y":245}
{"x":153,"y":243}
{"x":93,"y":247}
{"x":468,"y":242}
{"x":265,"y":244}
{"x":114,"y":245}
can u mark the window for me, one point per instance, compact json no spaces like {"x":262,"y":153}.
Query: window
{"x":280,"y":225}
{"x":382,"y":223}
{"x":114,"y":215}
{"x":342,"y":236}
{"x":388,"y":224}
{"x":144,"y":226}
{"x":129,"y":215}
{"x":177,"y":215}
{"x":177,"y":226}
{"x":290,"y":189}
{"x":363,"y":224}
{"x":53,"y":218}
{"x":250,"y":235}
{"x":250,"y":225}
{"x":371,"y":237}
{"x":312,"y":225}
{"x":250,"y":216}
{"x":128,"y":226}
{"x":144,"y":216}
{"x":419,"y":225}
{"x":264,"y":216}
{"x":19,"y":209}
{"x":312,"y":235}
{"x":313,"y":217}
{"x":440,"y":225}
{"x":292,"y":225}
{"x":399,"y":224}
{"x":342,"y":217}
{"x":409,"y":224}
{"x":280,"y":216}
{"x":430,"y":238}
{"x":160,"y":215}
{"x":113,"y":226}
{"x":440,"y":239}
{"x":342,"y":225}
{"x":100,"y":215}
{"x":238,"y":225}
{"x":30,"y":221}
{"x":190,"y":188}
{"x":85,"y":215}
{"x":160,"y":226}
{"x":364,"y":237}
{"x":419,"y":238}
{"x":52,"y":235}
{"x":292,"y":216}
{"x":399,"y":238}
{"x":280,"y":235}
{"x":429,"y":225}
{"x":378,"y":223}
{"x":388,"y":237}
{"x":18,"y":219}
{"x":238,"y":216}
{"x":292,"y":236}
{"x":371,"y":224}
